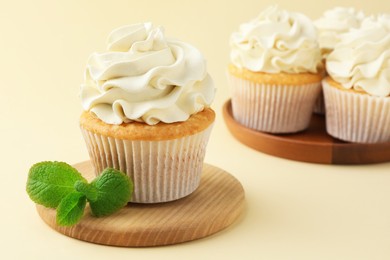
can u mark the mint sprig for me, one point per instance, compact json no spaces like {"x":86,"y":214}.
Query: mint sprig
{"x":58,"y":185}
{"x":49,"y":182}
{"x":107,"y":202}
{"x":71,"y":209}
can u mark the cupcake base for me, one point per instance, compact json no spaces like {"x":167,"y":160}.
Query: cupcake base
{"x":273,"y":103}
{"x":160,"y":170}
{"x":356,"y":117}
{"x":319,"y":105}
{"x":273,"y":108}
{"x":164,"y":161}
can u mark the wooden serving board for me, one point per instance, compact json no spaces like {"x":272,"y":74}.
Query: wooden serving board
{"x":215,"y":205}
{"x":312,"y":145}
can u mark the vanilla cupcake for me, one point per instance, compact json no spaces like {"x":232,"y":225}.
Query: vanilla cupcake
{"x":147,"y":112}
{"x":357,"y":92}
{"x":274,"y":72}
{"x":331,"y":25}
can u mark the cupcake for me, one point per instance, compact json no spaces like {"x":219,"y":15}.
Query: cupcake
{"x":147,"y":112}
{"x":275,"y":72}
{"x":331,"y":25}
{"x":357,"y":92}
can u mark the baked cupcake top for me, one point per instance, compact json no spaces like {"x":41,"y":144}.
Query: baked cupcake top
{"x":361,"y":60}
{"x":146,"y":77}
{"x":276,"y":41}
{"x":333,"y":23}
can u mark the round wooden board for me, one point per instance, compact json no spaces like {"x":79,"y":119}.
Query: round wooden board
{"x":215,"y":205}
{"x":312,"y":145}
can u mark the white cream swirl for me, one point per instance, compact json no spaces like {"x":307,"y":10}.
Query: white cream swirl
{"x":276,"y":41}
{"x":146,"y":77}
{"x":362,"y":58}
{"x":333,"y":23}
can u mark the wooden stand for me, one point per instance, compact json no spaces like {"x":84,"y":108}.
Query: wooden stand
{"x":215,"y":205}
{"x":312,"y":145}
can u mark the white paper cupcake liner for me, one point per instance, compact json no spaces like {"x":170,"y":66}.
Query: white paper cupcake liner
{"x":319,"y":105}
{"x":161,"y":170}
{"x":273,"y":108}
{"x":355,"y":117}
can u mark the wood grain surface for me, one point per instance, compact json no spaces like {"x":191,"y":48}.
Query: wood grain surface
{"x":215,"y":205}
{"x":312,"y":145}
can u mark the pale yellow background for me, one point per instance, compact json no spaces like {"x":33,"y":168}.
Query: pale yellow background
{"x":294,"y":210}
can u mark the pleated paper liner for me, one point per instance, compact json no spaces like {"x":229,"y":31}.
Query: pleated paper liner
{"x":273,"y":108}
{"x":216,"y":204}
{"x":319,"y":105}
{"x":356,"y":117}
{"x":161,"y":170}
{"x":313,"y":145}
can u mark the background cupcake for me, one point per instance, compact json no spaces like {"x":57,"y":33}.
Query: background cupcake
{"x":330,"y":26}
{"x":357,"y":92}
{"x":146,"y":103}
{"x":274,"y":71}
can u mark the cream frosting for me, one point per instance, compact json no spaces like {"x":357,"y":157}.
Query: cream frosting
{"x":146,"y":77}
{"x":333,"y":23}
{"x":276,"y":41}
{"x":362,"y":58}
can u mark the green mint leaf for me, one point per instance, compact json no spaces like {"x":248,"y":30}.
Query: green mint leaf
{"x":49,"y":182}
{"x":87,"y":189}
{"x":114,"y":190}
{"x":71,"y":209}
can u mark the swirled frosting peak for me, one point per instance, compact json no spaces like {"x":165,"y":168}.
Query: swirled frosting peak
{"x":276,"y":41}
{"x":146,"y":77}
{"x":335,"y":22}
{"x":362,"y":58}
